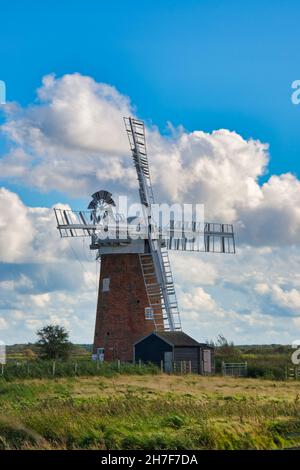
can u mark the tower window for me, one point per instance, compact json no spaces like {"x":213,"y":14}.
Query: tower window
{"x":149,"y":313}
{"x":105,"y":284}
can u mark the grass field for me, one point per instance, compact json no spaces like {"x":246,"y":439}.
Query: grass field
{"x":149,"y":412}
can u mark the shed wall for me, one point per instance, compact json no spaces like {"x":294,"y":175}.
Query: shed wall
{"x":152,"y":349}
{"x":188,"y":354}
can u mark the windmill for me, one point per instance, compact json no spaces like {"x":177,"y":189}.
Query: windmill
{"x":136,"y":289}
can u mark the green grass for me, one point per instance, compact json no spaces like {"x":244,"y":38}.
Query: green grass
{"x":40,"y":368}
{"x":147,"y":412}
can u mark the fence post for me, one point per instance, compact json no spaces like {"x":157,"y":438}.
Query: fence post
{"x":2,"y":368}
{"x":190,"y":367}
{"x":181,"y":367}
{"x":53,"y":368}
{"x":140,"y":363}
{"x":161,"y":366}
{"x":28,"y":371}
{"x":75,"y":368}
{"x":119,"y":364}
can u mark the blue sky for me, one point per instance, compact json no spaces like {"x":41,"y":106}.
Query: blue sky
{"x":204,"y":65}
{"x":201,"y":65}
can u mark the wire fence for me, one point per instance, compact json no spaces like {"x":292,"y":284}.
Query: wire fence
{"x":40,"y":368}
{"x":292,"y":372}
{"x":51,"y":369}
{"x":176,"y":367}
{"x":234,"y":369}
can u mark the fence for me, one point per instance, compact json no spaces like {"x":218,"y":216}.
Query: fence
{"x":234,"y":369}
{"x":292,"y":372}
{"x":179,"y":367}
{"x":172,"y":367}
{"x":51,"y":369}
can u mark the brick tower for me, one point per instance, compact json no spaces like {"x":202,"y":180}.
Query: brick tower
{"x":121,"y":307}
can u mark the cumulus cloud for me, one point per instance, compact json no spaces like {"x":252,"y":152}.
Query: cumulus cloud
{"x":198,"y":300}
{"x":16,"y":228}
{"x":276,"y":218}
{"x":73,"y":140}
{"x":218,"y":168}
{"x":191,"y":268}
{"x":286,"y":298}
{"x":43,"y":279}
{"x":241,"y":296}
{"x":28,"y":234}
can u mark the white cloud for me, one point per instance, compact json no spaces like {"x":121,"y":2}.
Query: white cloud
{"x":191,"y":268}
{"x":73,"y":140}
{"x":296,"y":322}
{"x":275,"y":220}
{"x":16,"y":229}
{"x":74,"y":112}
{"x":262,"y":288}
{"x":286,"y":298}
{"x":219,"y":169}
{"x":40,"y":300}
{"x":3,"y":323}
{"x":198,"y":300}
{"x":29,"y":234}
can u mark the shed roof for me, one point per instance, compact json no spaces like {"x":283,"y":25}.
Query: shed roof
{"x":177,"y":338}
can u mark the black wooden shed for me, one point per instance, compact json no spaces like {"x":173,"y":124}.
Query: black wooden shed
{"x":175,"y":349}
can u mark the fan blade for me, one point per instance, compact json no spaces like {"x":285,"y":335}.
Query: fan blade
{"x":92,"y":204}
{"x":103,"y":195}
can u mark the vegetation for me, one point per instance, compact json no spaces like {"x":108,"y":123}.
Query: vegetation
{"x":42,"y":368}
{"x":82,"y":404}
{"x":54,"y":342}
{"x":263,"y":361}
{"x":134,"y":412}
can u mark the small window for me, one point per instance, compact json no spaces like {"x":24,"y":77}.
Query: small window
{"x":100,"y":354}
{"x":149,"y":313}
{"x":105,"y":284}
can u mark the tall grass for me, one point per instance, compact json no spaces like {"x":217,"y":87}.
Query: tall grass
{"x":48,"y":414}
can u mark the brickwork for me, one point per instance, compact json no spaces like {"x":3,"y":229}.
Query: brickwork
{"x":120,"y":318}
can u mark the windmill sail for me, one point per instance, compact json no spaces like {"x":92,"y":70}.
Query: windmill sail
{"x":205,"y":237}
{"x":73,"y":223}
{"x":136,"y":136}
{"x":163,"y":289}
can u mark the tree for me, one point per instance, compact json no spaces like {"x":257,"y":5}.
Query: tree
{"x":225,"y":348}
{"x":54,"y":342}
